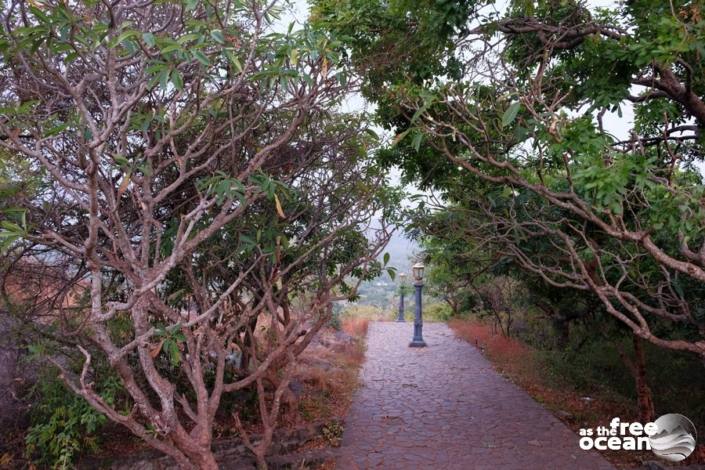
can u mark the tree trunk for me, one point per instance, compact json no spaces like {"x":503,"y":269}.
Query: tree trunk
{"x":562,"y":327}
{"x":206,"y":461}
{"x":261,"y":462}
{"x":643,"y":391}
{"x":637,"y":368}
{"x":198,"y":452}
{"x":203,"y":460}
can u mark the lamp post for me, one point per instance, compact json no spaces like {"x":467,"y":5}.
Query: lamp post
{"x":417,"y":341}
{"x":402,"y":291}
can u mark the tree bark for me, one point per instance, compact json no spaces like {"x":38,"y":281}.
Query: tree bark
{"x":562,"y":327}
{"x":637,"y":368}
{"x":206,"y":461}
{"x":643,"y":391}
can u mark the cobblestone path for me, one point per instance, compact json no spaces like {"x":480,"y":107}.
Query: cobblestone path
{"x":445,"y":407}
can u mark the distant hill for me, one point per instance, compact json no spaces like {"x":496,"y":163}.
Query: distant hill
{"x":381,"y":292}
{"x":401,"y":252}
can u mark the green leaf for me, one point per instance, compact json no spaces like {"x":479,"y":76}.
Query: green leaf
{"x":175,"y":46}
{"x":371,"y":133}
{"x":124,"y":36}
{"x":10,"y":233}
{"x":386,"y":258}
{"x":233,"y":59}
{"x":177,"y":80}
{"x":16,"y":213}
{"x":149,"y":39}
{"x":201,"y":57}
{"x":11,"y":226}
{"x":217,"y":35}
{"x":131,"y":46}
{"x":416,"y":141}
{"x":57,"y":129}
{"x":188,"y":38}
{"x":511,"y":113}
{"x":164,"y":79}
{"x":247,"y":241}
{"x":172,"y":350}
{"x":122,"y":161}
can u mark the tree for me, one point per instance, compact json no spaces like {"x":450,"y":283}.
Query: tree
{"x":619,"y":218}
{"x":196,"y":191}
{"x":467,"y":232}
{"x":456,"y":264}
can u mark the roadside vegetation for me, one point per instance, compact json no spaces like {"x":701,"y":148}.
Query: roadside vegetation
{"x":588,"y":383}
{"x":178,"y":186}
{"x":188,"y":208}
{"x":63,"y":430}
{"x":564,"y":222}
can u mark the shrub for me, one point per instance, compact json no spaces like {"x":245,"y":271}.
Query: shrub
{"x":64,"y":425}
{"x":335,"y":322}
{"x":595,"y":365}
{"x":437,"y":312}
{"x":355,"y":326}
{"x":369,"y":312}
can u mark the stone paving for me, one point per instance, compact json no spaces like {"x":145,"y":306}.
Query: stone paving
{"x":445,"y":407}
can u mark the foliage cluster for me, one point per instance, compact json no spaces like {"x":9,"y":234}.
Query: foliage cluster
{"x":179,"y":180}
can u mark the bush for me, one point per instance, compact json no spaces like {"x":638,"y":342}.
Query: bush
{"x":356,"y":326}
{"x":64,"y":425}
{"x":437,"y":312}
{"x":593,"y":365}
{"x":369,"y":312}
{"x":590,"y":366}
{"x":334,"y":321}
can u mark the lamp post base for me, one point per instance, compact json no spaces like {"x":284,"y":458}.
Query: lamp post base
{"x":401,"y":320}
{"x":417,"y":343}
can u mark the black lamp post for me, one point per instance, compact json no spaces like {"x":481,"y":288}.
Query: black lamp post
{"x":417,"y":341}
{"x":402,"y":291}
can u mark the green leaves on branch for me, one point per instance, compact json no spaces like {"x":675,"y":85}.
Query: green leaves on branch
{"x":171,"y":340}
{"x":391,"y":271}
{"x":511,"y":113}
{"x":13,"y":228}
{"x":218,"y":36}
{"x":223,"y":187}
{"x":270,"y":239}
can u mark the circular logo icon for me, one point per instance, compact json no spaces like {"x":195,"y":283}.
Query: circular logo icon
{"x":675,"y":438}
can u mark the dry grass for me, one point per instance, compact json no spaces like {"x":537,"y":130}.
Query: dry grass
{"x":356,"y":326}
{"x":329,"y":375}
{"x":508,"y":354}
